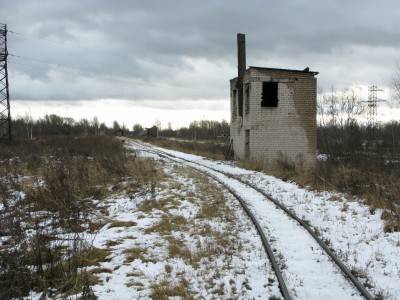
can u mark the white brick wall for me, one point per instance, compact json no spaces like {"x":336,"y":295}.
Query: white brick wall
{"x":289,"y":129}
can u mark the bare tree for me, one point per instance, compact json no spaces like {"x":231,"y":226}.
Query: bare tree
{"x":85,"y":125}
{"x":339,"y":114}
{"x":116,"y":126}
{"x":137,"y":128}
{"x":29,"y":124}
{"x":396,"y":84}
{"x":321,"y":110}
{"x":351,"y":107}
{"x":95,"y":124}
{"x":339,"y":109}
{"x":158,"y":124}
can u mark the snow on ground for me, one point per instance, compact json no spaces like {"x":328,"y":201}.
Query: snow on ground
{"x":175,"y":242}
{"x":354,"y":233}
{"x":213,"y":258}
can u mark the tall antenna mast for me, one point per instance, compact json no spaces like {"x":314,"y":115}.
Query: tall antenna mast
{"x":5,"y":115}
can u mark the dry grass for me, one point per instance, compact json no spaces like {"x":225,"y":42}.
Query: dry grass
{"x":135,"y":253}
{"x":177,"y":248}
{"x":367,"y":176}
{"x":94,"y":256}
{"x":212,"y":149}
{"x":135,"y":284}
{"x":122,"y":224}
{"x":168,"y":224}
{"x":206,"y":242}
{"x":164,"y":289}
{"x":163,"y":204}
{"x":59,"y":177}
{"x":379,"y":188}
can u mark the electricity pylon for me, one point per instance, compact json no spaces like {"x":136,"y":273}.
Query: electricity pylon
{"x":5,"y":115}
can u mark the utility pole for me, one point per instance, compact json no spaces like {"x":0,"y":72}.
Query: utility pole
{"x":5,"y":115}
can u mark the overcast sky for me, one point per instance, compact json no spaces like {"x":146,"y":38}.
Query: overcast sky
{"x":171,"y":60}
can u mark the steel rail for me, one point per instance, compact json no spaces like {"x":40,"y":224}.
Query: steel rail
{"x":282,"y":284}
{"x":360,"y":287}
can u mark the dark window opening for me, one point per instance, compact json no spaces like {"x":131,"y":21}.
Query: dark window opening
{"x":234,"y":105}
{"x":247,"y":143}
{"x":269,"y":96}
{"x":240,"y":100}
{"x":247,"y":98}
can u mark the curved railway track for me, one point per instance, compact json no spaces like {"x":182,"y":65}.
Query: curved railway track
{"x":218,"y":175}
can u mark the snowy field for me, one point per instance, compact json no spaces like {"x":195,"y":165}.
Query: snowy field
{"x":190,"y":238}
{"x":346,"y":225}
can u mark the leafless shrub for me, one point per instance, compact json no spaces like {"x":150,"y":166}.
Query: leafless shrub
{"x":396,"y":83}
{"x":285,"y":165}
{"x":58,"y":177}
{"x":363,"y":178}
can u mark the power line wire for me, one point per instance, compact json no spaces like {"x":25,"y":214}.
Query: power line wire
{"x":143,"y":83}
{"x":96,"y":50}
{"x":77,"y":74}
{"x":69,"y":67}
{"x":88,"y":70}
{"x":72,"y":45}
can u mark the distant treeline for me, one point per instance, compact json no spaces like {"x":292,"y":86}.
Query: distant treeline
{"x":346,"y":143}
{"x":342,"y":136}
{"x":26,"y":127}
{"x":339,"y":132}
{"x":199,"y":130}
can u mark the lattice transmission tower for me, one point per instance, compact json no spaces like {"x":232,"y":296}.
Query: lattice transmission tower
{"x":372,"y":104}
{"x":5,"y":115}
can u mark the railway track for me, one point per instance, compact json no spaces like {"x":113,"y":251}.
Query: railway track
{"x":274,"y":228}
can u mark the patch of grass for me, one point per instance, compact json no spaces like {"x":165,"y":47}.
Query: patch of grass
{"x":149,"y":205}
{"x":246,"y":285}
{"x":220,"y":290}
{"x":177,"y":248}
{"x":251,"y":165}
{"x":379,"y":188}
{"x":209,"y":209}
{"x":80,"y":284}
{"x":94,"y":256}
{"x":134,"y":283}
{"x":168,"y":269}
{"x":134,"y":253}
{"x":112,"y":243}
{"x":134,"y":274}
{"x":357,"y":272}
{"x":163,"y":204}
{"x":335,"y":198}
{"x":122,"y":224}
{"x":168,"y":224}
{"x":165,"y":289}
{"x":101,"y":270}
{"x":95,"y":226}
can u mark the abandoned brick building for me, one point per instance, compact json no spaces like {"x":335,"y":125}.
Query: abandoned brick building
{"x":273,"y":113}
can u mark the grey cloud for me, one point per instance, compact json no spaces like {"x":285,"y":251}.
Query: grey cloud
{"x":152,"y":41}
